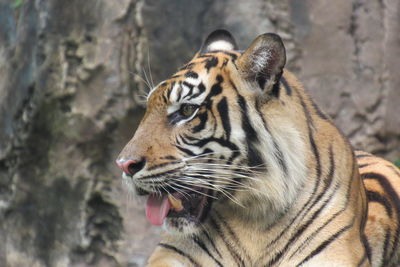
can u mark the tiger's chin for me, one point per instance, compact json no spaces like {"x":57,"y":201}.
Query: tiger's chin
{"x":179,"y":212}
{"x":181,"y":226}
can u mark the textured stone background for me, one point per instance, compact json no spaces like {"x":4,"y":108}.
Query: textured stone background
{"x":70,"y":98}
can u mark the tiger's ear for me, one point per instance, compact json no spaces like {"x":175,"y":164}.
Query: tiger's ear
{"x":218,"y":40}
{"x":262,"y":63}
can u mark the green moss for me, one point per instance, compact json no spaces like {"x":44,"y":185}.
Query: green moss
{"x":17,"y":3}
{"x":397,"y":162}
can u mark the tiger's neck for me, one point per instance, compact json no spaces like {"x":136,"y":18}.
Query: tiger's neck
{"x":329,"y":197}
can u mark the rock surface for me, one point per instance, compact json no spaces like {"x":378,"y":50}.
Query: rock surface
{"x":71,"y":95}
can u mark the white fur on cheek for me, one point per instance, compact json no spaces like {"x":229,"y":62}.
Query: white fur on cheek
{"x":277,"y":188}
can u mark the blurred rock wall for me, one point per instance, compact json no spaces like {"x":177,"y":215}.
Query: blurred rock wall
{"x":71,"y":95}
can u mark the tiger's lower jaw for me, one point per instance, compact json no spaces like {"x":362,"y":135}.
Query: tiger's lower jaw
{"x":179,"y":212}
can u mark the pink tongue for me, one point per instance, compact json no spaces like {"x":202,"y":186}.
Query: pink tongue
{"x":157,"y":209}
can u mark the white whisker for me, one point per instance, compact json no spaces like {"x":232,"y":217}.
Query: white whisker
{"x":225,"y":193}
{"x":180,"y":191}
{"x":193,"y":190}
{"x":149,"y":68}
{"x":227,"y":176}
{"x":141,"y":78}
{"x":147,"y":78}
{"x":232,"y":184}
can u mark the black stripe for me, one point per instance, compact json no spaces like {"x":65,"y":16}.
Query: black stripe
{"x":188,"y":140}
{"x":201,"y":88}
{"x":211,"y":63}
{"x":203,"y":117}
{"x":312,"y":143}
{"x":373,"y":196}
{"x":185,"y":83}
{"x":360,"y":166}
{"x":216,"y":89}
{"x":276,"y":88}
{"x":247,"y":127}
{"x":317,"y":178}
{"x":186,"y":151}
{"x":314,"y":150}
{"x":336,"y":214}
{"x":190,"y":86}
{"x":180,"y":252}
{"x":307,"y":113}
{"x":234,"y":56}
{"x":191,"y":74}
{"x":163,"y":165}
{"x":178,"y":140}
{"x":300,"y":230}
{"x":180,"y":90}
{"x":201,"y":244}
{"x":367,"y":246}
{"x":174,"y":118}
{"x":288,"y":89}
{"x":207,"y":55}
{"x":223,"y":110}
{"x":319,"y":112}
{"x":222,"y":142}
{"x":253,"y":154}
{"x":385,"y":184}
{"x":385,"y":250}
{"x":228,"y":245}
{"x":279,"y":154}
{"x":204,"y":232}
{"x":235,"y":154}
{"x":327,"y":181}
{"x":316,"y":232}
{"x":325,"y":244}
{"x":165,"y":98}
{"x":225,"y":62}
{"x":305,"y":210}
{"x":234,"y":237}
{"x":169,"y":157}
{"x":281,"y":159}
{"x":395,"y":200}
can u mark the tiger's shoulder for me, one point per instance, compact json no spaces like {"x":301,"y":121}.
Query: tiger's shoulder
{"x":381,"y":180}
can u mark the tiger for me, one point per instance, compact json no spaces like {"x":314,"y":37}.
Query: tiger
{"x":242,"y":168}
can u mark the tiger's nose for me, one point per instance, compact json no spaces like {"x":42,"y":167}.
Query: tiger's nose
{"x":130,"y":166}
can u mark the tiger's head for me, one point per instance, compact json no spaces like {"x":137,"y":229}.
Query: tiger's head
{"x":222,"y":134}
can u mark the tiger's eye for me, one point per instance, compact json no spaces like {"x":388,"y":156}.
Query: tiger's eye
{"x":187,"y":110}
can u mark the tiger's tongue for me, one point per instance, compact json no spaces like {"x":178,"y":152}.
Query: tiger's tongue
{"x":157,"y":208}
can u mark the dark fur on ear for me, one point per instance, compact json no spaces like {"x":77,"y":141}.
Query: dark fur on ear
{"x":263,"y":62}
{"x":218,"y":40}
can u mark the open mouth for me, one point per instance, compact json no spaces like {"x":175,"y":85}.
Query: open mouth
{"x":189,"y":205}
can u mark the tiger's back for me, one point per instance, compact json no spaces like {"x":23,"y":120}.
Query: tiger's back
{"x":243,"y":169}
